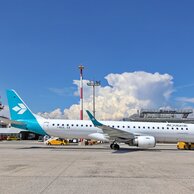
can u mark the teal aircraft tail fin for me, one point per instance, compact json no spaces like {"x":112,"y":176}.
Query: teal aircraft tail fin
{"x":18,"y":109}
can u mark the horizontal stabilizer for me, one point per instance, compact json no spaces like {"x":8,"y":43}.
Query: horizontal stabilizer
{"x":7,"y":121}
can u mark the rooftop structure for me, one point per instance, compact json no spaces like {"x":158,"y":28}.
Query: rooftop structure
{"x":162,"y":115}
{"x":2,"y":124}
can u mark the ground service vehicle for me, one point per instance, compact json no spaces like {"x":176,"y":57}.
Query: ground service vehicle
{"x":56,"y":141}
{"x":185,"y":146}
{"x":10,"y":138}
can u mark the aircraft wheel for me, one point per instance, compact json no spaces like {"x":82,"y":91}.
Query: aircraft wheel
{"x":116,"y":147}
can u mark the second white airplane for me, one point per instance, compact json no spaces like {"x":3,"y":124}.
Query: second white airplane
{"x":140,"y":134}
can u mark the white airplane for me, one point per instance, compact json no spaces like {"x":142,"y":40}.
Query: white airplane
{"x":140,"y":134}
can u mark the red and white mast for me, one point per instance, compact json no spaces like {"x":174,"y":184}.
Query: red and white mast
{"x":81,"y":67}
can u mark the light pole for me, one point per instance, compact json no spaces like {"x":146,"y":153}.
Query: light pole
{"x":94,"y":84}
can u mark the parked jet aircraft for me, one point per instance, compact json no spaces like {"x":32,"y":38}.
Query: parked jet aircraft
{"x":140,"y":134}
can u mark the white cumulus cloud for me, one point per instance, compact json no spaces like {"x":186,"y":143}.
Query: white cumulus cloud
{"x":56,"y":114}
{"x":123,"y":96}
{"x":185,"y":100}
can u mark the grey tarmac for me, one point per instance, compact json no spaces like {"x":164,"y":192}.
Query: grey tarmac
{"x":32,"y":167}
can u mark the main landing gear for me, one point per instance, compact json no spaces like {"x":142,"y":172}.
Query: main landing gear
{"x":114,"y":146}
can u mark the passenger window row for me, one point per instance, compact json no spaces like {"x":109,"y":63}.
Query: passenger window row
{"x":118,"y":126}
{"x":148,"y":127}
{"x":172,"y":128}
{"x":72,"y":125}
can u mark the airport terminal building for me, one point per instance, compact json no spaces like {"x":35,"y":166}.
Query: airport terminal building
{"x":160,"y":115}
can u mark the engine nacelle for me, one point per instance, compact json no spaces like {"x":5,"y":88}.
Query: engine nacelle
{"x":144,"y":141}
{"x":98,"y":136}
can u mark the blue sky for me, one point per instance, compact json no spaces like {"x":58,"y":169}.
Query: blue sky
{"x":42,"y":42}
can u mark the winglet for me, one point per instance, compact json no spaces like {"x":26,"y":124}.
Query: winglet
{"x":94,"y":121}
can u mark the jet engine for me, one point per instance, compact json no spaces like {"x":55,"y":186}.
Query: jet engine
{"x":144,"y":141}
{"x":98,"y":136}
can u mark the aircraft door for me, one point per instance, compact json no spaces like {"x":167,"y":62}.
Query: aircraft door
{"x":46,"y":125}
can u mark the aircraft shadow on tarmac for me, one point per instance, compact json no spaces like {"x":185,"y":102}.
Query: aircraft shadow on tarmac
{"x":128,"y":150}
{"x":99,"y":149}
{"x":63,"y":148}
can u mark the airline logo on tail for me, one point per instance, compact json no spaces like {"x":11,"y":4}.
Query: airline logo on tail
{"x":20,"y":109}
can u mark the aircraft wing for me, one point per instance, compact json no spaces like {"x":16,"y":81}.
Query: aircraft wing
{"x":112,"y":132}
